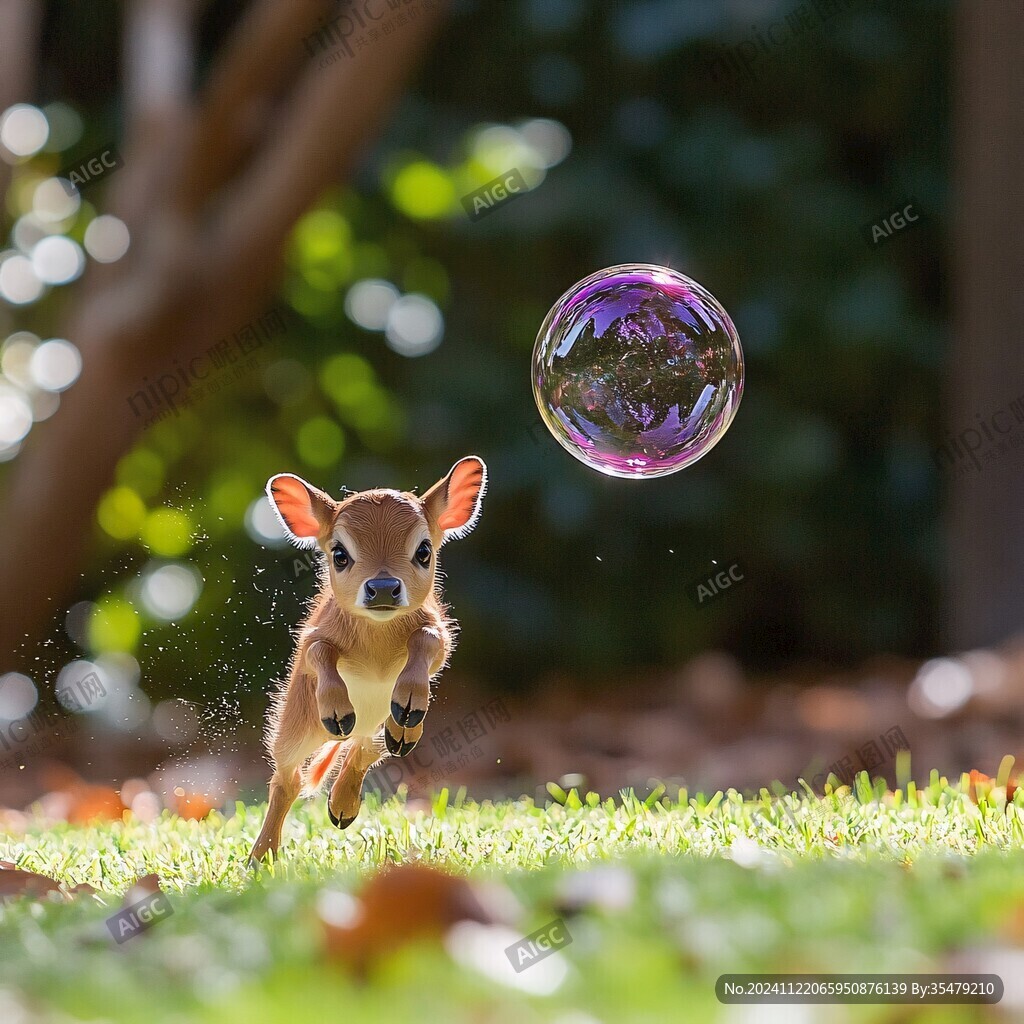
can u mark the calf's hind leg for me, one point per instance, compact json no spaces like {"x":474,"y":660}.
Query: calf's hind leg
{"x":295,"y":732}
{"x":347,"y":792}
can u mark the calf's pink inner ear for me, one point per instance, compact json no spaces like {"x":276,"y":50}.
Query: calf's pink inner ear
{"x":463,"y":492}
{"x":293,"y":502}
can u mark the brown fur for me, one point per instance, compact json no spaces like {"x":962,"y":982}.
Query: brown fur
{"x":387,"y":656}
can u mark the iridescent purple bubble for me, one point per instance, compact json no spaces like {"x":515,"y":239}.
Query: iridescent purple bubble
{"x":637,"y":371}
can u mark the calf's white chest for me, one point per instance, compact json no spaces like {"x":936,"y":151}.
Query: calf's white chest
{"x":370,"y":691}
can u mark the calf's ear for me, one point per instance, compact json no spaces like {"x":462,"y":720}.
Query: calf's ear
{"x":453,"y":503}
{"x":305,"y":512}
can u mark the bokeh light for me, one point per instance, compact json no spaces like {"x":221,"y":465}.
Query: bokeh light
{"x":19,"y":283}
{"x":941,"y":687}
{"x":16,"y":357}
{"x":18,"y":696}
{"x":55,"y":365}
{"x":28,"y":232}
{"x":15,"y":415}
{"x":114,"y":625}
{"x":23,"y":130}
{"x":423,"y":190}
{"x":262,"y":524}
{"x":168,"y":592}
{"x":369,"y":302}
{"x":549,"y":139}
{"x":57,"y":260}
{"x":76,"y":622}
{"x":121,"y":513}
{"x":414,"y":326}
{"x":637,"y":371}
{"x":141,"y":470}
{"x":167,"y":532}
{"x":107,"y":239}
{"x":125,"y":707}
{"x":320,"y":442}
{"x":499,"y":148}
{"x":322,"y":248}
{"x":175,"y":721}
{"x":51,"y":202}
{"x":66,"y":127}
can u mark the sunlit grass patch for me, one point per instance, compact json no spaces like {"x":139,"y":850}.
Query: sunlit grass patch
{"x":661,"y":895}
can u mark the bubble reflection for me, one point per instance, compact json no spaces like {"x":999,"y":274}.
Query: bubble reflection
{"x":637,"y":371}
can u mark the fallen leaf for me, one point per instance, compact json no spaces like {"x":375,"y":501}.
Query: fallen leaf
{"x":400,"y":904}
{"x":145,"y":885}
{"x":15,"y":882}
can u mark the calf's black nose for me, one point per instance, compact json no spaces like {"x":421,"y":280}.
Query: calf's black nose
{"x":383,"y":592}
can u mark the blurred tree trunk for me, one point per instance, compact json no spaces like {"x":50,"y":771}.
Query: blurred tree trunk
{"x":985,"y":596}
{"x":19,"y":26}
{"x":211,"y":187}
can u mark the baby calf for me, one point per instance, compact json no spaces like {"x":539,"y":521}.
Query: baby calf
{"x":377,"y":634}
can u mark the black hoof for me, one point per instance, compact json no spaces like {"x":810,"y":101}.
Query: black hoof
{"x":396,"y":746}
{"x":340,"y":822}
{"x":342,"y":728}
{"x":407,"y":717}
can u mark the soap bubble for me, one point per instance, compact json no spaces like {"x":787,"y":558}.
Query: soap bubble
{"x":637,"y":371}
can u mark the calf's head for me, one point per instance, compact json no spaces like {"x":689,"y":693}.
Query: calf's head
{"x":381,"y":545}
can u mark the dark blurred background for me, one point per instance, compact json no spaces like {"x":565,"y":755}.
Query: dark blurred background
{"x":749,"y":145}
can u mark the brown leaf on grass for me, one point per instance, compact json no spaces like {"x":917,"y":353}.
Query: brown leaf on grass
{"x":400,"y":904}
{"x":82,"y":889}
{"x":15,"y":882}
{"x":143,"y":886}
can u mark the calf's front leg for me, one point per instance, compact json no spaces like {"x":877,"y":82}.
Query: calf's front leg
{"x":336,"y":710}
{"x":411,"y":695}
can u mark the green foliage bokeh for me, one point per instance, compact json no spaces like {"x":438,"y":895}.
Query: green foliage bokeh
{"x":823,"y":489}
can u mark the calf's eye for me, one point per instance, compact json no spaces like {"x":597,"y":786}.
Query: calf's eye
{"x":341,"y":559}
{"x":423,"y":553}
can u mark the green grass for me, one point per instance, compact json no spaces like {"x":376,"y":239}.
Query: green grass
{"x":862,"y":881}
